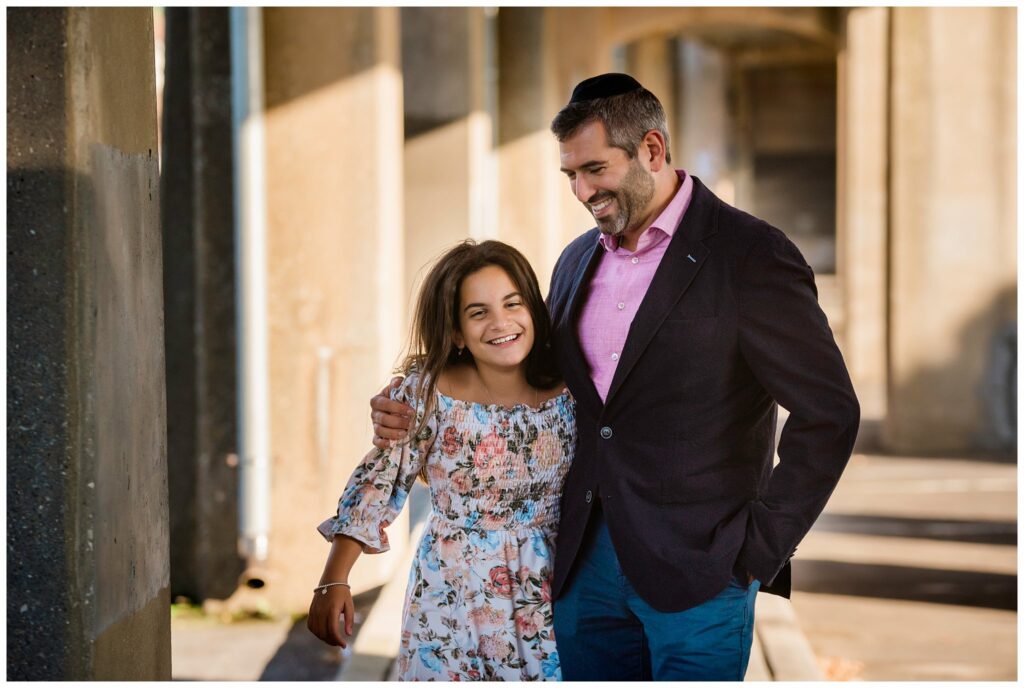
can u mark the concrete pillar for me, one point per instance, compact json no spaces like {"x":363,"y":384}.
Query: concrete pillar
{"x":450,"y":177}
{"x":740,"y":86}
{"x":199,"y":292}
{"x":707,"y":128}
{"x":578,"y":45}
{"x":862,"y":214}
{"x":335,"y":259}
{"x":530,"y":185}
{"x":87,"y":562}
{"x":794,"y":134}
{"x":953,"y":229}
{"x":652,"y":61}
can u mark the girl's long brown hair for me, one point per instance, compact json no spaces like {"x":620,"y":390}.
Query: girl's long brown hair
{"x":431,"y":345}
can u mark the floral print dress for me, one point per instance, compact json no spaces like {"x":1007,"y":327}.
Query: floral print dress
{"x":478,"y":603}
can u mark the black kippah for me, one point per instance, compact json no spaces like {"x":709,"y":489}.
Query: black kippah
{"x":604,"y":86}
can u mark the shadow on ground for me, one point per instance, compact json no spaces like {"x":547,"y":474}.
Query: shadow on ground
{"x":949,"y":530}
{"x":304,"y":657}
{"x":943,"y":586}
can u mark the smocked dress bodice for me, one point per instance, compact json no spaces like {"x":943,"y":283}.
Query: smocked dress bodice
{"x":478,"y":605}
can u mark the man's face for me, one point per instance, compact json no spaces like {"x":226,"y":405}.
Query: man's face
{"x":615,"y":188}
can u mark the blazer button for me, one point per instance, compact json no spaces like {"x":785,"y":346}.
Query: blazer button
{"x":590,"y":496}
{"x":606,"y":432}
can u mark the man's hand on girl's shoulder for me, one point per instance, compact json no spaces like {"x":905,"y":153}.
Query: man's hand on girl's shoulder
{"x":391,"y":419}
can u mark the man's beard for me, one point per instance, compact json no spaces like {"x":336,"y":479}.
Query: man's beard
{"x":632,"y":196}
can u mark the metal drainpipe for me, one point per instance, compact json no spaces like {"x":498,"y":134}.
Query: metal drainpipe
{"x":251,"y":287}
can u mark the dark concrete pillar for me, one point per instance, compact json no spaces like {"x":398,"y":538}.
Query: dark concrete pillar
{"x":88,"y":594}
{"x":199,"y":290}
{"x":39,"y":438}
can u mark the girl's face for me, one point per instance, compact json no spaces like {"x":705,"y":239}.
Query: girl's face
{"x":494,"y":322}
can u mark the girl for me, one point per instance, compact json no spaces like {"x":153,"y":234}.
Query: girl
{"x":493,"y":438}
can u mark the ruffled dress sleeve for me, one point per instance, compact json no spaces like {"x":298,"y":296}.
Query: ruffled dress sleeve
{"x":380,"y":484}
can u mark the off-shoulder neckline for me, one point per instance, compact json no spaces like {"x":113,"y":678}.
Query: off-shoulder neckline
{"x":494,"y":408}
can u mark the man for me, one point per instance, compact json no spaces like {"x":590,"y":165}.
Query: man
{"x":679,"y":324}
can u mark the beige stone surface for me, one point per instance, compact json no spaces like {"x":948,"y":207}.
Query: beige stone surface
{"x":530,"y":191}
{"x":881,"y":485}
{"x":441,"y":200}
{"x":335,"y":264}
{"x":653,"y":62}
{"x":862,"y":202}
{"x":121,"y":512}
{"x":707,"y":126}
{"x":953,"y":210}
{"x":579,"y":46}
{"x":449,"y":171}
{"x":907,"y":551}
{"x":530,"y":188}
{"x":913,"y":570}
{"x":896,"y":640}
{"x":137,"y":646}
{"x":114,"y":114}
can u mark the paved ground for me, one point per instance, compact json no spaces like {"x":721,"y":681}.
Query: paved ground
{"x":911,"y":573}
{"x":204,"y":648}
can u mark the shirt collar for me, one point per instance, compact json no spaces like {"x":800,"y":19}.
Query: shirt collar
{"x":665,"y":224}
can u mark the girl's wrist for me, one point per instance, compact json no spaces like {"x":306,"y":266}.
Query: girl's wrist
{"x":324,"y":587}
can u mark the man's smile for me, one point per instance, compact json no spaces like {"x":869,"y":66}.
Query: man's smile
{"x":602,"y":207}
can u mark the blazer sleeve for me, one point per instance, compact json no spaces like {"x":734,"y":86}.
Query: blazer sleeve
{"x":786,"y":341}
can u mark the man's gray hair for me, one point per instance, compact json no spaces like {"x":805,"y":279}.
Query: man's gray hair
{"x":626,"y":117}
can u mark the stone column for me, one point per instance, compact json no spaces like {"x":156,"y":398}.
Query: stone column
{"x":952,"y":298}
{"x":530,"y":185}
{"x":862,"y":230}
{"x":88,"y":589}
{"x":578,"y":45}
{"x":335,"y":259}
{"x":708,"y":139}
{"x":199,"y":290}
{"x":652,"y":61}
{"x":450,"y":178}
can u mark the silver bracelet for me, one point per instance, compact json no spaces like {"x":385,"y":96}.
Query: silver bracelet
{"x":322,"y":589}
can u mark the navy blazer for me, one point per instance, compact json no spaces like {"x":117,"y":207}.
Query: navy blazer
{"x":681,"y":452}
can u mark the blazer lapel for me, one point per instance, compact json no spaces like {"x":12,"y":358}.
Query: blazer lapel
{"x":567,"y":325}
{"x":683,"y":258}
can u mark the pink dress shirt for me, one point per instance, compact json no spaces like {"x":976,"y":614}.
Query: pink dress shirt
{"x":618,"y":286}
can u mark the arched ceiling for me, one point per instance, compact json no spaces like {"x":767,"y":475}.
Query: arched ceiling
{"x":746,"y":28}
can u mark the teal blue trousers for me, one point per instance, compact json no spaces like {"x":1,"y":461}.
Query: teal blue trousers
{"x":605,"y":631}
